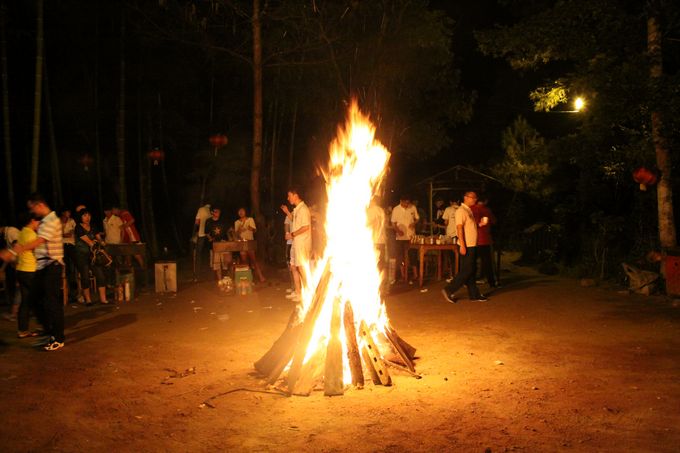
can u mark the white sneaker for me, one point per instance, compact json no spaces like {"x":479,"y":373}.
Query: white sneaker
{"x":291,"y":295}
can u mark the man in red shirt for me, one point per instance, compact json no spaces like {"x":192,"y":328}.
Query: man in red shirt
{"x":128,"y":230}
{"x":485,"y":218}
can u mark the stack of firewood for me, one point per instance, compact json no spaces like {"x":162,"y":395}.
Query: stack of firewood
{"x":370,"y":351}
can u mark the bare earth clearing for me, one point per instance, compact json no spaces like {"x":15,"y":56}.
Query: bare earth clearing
{"x":545,"y":365}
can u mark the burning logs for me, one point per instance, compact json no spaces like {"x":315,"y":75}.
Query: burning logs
{"x":340,"y":333}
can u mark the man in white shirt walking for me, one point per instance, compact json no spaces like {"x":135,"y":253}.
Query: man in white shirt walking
{"x":466,"y":227}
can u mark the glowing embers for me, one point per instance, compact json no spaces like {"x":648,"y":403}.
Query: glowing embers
{"x":340,"y":334}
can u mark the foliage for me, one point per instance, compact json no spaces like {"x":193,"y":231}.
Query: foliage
{"x":547,"y":98}
{"x":597,"y":50}
{"x":525,"y":167}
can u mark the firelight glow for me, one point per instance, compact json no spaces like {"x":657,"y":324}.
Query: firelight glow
{"x":355,"y":172}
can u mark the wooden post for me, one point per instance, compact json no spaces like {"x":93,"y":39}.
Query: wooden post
{"x":282,"y":348}
{"x":333,"y":376}
{"x":310,"y":373}
{"x":353,"y":347}
{"x":397,"y":347}
{"x":371,"y":351}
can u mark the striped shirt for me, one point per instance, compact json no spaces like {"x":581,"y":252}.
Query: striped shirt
{"x":52,"y":249}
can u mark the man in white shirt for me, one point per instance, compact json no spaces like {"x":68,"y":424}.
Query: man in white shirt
{"x":301,"y":233}
{"x":202,"y":216}
{"x":112,"y":227}
{"x":449,"y":218}
{"x":466,"y":227}
{"x":404,"y":219}
{"x":245,"y":228}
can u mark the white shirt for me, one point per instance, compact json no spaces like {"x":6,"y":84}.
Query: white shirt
{"x":66,"y":228}
{"x":286,"y":227}
{"x":202,"y":216}
{"x":245,"y":234}
{"x":375,"y":218}
{"x":112,"y":230}
{"x":450,"y":217}
{"x":405,"y":218}
{"x":465,"y":217}
{"x":302,"y":217}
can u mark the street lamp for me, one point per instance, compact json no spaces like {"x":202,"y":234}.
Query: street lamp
{"x":579,"y":103}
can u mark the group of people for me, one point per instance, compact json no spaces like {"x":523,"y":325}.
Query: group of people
{"x":47,"y":247}
{"x":211,"y":227}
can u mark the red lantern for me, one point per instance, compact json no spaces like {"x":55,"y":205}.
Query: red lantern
{"x":86,"y":161}
{"x":156,"y":155}
{"x":218,"y":140}
{"x":645,"y":177}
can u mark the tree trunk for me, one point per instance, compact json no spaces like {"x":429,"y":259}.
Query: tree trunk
{"x":257,"y":114}
{"x":122,"y":189}
{"x":166,"y":191}
{"x":146,"y":186}
{"x":145,"y":195}
{"x":5,"y":115}
{"x":663,"y":158}
{"x":37,"y":100}
{"x":95,"y":95}
{"x":291,"y":145}
{"x":57,"y":198}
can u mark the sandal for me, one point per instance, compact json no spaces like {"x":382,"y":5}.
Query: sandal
{"x":26,"y":334}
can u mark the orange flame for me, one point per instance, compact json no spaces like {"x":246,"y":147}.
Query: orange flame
{"x":355,"y":172}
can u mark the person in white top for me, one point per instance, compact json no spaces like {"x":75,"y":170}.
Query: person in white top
{"x":404,"y":219}
{"x":287,"y":223}
{"x":467,"y":245}
{"x":200,"y":237}
{"x":68,"y":226}
{"x":245,"y":228}
{"x":301,"y":234}
{"x":112,"y":227}
{"x":449,"y":217}
{"x":375,"y":218}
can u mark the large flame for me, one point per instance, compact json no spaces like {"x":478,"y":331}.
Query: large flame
{"x":355,"y":172}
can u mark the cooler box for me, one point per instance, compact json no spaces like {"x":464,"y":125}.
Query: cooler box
{"x":129,"y":278}
{"x":673,"y":272}
{"x":243,"y":280}
{"x":166,"y":276}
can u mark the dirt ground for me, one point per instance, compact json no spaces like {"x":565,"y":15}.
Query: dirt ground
{"x":544,"y":365}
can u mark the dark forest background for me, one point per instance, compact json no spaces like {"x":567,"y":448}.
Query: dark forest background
{"x":487,"y":85}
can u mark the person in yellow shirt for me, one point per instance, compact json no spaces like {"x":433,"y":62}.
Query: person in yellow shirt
{"x":26,"y":267}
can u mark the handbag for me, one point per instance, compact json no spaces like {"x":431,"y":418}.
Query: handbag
{"x":99,"y":256}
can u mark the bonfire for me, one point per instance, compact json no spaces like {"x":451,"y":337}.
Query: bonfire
{"x":340,"y":335}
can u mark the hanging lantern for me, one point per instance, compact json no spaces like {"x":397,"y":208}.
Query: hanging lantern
{"x":218,"y":140}
{"x":156,"y":155}
{"x":645,"y":177}
{"x":86,"y":161}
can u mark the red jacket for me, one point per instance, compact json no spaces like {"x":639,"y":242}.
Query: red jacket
{"x":483,"y":232}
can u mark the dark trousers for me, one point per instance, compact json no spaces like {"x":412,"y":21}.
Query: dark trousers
{"x":44,"y":295}
{"x":71,"y":271}
{"x":25,"y":280}
{"x":467,"y":274}
{"x":201,"y":243}
{"x":484,"y":253}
